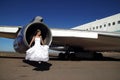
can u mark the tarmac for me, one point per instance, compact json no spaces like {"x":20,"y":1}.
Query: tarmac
{"x":14,"y":67}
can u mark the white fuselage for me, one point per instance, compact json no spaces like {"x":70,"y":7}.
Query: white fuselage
{"x":108,"y":24}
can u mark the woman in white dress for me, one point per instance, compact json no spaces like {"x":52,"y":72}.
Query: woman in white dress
{"x":39,"y":51}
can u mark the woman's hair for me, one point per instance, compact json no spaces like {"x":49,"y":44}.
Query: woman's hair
{"x":38,"y":30}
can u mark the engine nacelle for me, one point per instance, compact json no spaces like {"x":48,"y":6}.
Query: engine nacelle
{"x":26,"y":33}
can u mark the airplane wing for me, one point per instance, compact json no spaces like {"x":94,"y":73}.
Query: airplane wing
{"x":9,"y":31}
{"x":88,"y":40}
{"x":73,"y":33}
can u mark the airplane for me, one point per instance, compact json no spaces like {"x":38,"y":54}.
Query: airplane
{"x":97,"y":36}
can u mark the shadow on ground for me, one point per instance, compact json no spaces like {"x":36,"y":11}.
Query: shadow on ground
{"x":43,"y":66}
{"x":96,"y":57}
{"x":84,"y":59}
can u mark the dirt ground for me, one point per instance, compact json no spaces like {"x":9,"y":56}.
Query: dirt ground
{"x":14,"y":67}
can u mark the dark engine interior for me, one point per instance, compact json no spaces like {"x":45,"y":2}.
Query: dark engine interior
{"x":46,"y":33}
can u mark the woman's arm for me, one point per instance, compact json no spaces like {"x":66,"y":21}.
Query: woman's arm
{"x":42,"y":42}
{"x":32,"y":41}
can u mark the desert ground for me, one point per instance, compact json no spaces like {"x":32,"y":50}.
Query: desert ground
{"x":14,"y":67}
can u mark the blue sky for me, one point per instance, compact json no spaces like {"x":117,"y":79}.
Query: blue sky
{"x":56,"y":13}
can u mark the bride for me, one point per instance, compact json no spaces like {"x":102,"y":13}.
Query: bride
{"x":39,"y":51}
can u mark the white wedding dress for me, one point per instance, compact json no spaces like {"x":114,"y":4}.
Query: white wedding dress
{"x":37,"y":52}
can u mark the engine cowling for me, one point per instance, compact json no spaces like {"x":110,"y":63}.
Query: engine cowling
{"x":25,"y":35}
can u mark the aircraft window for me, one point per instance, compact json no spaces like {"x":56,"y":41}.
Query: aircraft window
{"x":113,"y":23}
{"x":93,"y":28}
{"x":96,"y":27}
{"x":104,"y":25}
{"x":118,"y":22}
{"x":109,"y":24}
{"x":100,"y":26}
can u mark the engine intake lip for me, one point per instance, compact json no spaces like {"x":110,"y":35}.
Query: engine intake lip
{"x":32,"y":27}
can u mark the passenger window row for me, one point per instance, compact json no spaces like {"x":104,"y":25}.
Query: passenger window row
{"x":105,"y":25}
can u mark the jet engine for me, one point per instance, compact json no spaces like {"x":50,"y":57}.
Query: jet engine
{"x":21,"y":43}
